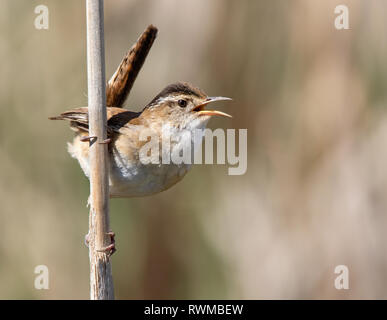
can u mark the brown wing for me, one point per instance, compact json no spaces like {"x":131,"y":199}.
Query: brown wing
{"x":117,"y":89}
{"x":120,"y":84}
{"x":116,"y":118}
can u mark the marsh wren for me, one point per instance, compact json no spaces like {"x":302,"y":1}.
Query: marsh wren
{"x":178,"y":109}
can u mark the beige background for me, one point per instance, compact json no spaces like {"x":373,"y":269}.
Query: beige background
{"x":312,"y":98}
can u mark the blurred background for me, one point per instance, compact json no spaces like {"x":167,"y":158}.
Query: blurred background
{"x":313,"y":99}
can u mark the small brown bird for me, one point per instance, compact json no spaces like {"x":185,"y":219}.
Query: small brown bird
{"x":178,"y":108}
{"x":175,"y":111}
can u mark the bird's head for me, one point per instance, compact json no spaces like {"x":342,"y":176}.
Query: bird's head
{"x":182,"y":105}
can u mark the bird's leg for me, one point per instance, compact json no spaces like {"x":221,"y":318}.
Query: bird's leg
{"x":87,"y":239}
{"x":106,"y":141}
{"x":88,"y":138}
{"x":111,"y":248}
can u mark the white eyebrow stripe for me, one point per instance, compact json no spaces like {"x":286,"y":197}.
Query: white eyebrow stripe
{"x":166,"y":99}
{"x":170,"y":99}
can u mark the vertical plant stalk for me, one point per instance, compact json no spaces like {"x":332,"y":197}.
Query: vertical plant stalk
{"x":101,"y":280}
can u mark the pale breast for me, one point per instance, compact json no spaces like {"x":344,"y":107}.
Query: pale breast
{"x":129,"y":177}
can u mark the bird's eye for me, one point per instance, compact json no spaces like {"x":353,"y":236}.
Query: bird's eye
{"x":182,"y":103}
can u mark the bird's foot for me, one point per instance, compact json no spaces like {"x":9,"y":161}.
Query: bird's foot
{"x":88,"y":138}
{"x":87,"y":239}
{"x":106,"y":141}
{"x":110,"y":249}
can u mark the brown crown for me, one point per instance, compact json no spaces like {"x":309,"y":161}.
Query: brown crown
{"x":178,"y":88}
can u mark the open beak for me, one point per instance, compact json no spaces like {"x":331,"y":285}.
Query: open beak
{"x":202,"y":112}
